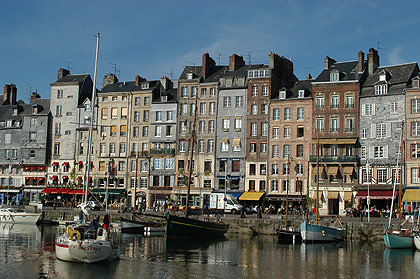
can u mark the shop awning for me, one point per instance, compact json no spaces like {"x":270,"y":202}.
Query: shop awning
{"x":65,"y":164}
{"x":59,"y":191}
{"x":321,"y":170}
{"x":55,"y":164}
{"x":411,"y":195}
{"x":75,"y":192}
{"x":332,"y":170}
{"x":65,"y":177}
{"x":236,"y":195}
{"x":110,"y":191}
{"x":79,"y":178}
{"x":313,"y":195}
{"x":348,"y":170}
{"x":332,"y":195}
{"x":224,"y":140}
{"x":347,"y":196}
{"x":41,"y":178}
{"x":236,"y":142}
{"x":324,"y":141}
{"x":346,"y":141}
{"x":251,"y":196}
{"x":80,"y":163}
{"x":47,"y":190}
{"x":55,"y":177}
{"x":376,"y":195}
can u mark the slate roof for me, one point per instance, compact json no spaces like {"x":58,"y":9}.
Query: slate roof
{"x":6,"y":112}
{"x":76,"y":79}
{"x":85,"y":85}
{"x":171,"y":93}
{"x":399,"y":78}
{"x":127,"y":86}
{"x":349,"y":71}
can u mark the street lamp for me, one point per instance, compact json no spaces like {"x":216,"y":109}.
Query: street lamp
{"x":368,"y":193}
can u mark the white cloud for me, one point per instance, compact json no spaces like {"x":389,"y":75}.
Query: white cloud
{"x":395,"y":56}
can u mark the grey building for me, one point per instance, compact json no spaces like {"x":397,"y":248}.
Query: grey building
{"x":24,"y":135}
{"x":382,"y":114}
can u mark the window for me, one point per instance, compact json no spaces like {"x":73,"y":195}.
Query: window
{"x":122,"y":148}
{"x":381,"y":130}
{"x":32,"y":153}
{"x":226,"y":102}
{"x":415,"y":150}
{"x":33,"y":122}
{"x":415,"y":177}
{"x":210,"y":146}
{"x":276,"y":132}
{"x":364,"y":133}
{"x":158,"y":116}
{"x":287,"y":114}
{"x":287,"y":132}
{"x":56,"y":148}
{"x":254,"y":91}
{"x":123,"y":113}
{"x":194,"y":91}
{"x":380,"y":152}
{"x":58,"y":110}
{"x":202,"y":108}
{"x":201,"y":127}
{"x":211,"y":126}
{"x":334,"y":76}
{"x":300,"y":114}
{"x":320,"y":104}
{"x":201,"y":145}
{"x":237,"y":124}
{"x":276,"y":114}
{"x":334,"y":125}
{"x":301,"y":93}
{"x":394,"y":107}
{"x":254,"y":129}
{"x":369,"y":109}
{"x":222,"y":165}
{"x":169,"y":115}
{"x":236,"y":165}
{"x":349,"y":124}
{"x":253,"y":147}
{"x":286,"y":169}
{"x":263,"y":147}
{"x":382,"y":175}
{"x":349,"y":101}
{"x":57,"y":129}
{"x":145,"y":131}
{"x":265,"y":90}
{"x":286,"y":151}
{"x":203,"y":92}
{"x":212,"y":91}
{"x":396,"y":176}
{"x":299,"y":150}
{"x":184,"y":92}
{"x":264,"y":109}
{"x":274,"y":186}
{"x":264,"y":129}
{"x":224,"y":146}
{"x":300,"y":132}
{"x":274,"y":169}
{"x":415,"y":106}
{"x":276,"y":151}
{"x":212,"y":108}
{"x":181,"y":146}
{"x":381,"y":89}
{"x":32,"y":136}
{"x":415,"y":128}
{"x":363,"y":152}
{"x":146,"y":101}
{"x":263,"y":169}
{"x":282,"y":95}
{"x":158,"y":131}
{"x":59,"y":94}
{"x":184,"y":109}
{"x":319,"y":125}
{"x":334,"y":102}
{"x":146,"y":116}
{"x":225,"y":124}
{"x":254,"y":109}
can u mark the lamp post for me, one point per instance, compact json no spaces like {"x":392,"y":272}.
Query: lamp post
{"x":368,"y":193}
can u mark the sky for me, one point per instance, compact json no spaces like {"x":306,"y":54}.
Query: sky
{"x":159,"y":38}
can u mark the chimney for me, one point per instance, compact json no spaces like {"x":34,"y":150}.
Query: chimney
{"x":62,"y":73}
{"x":10,"y":94}
{"x":208,"y":65}
{"x":139,"y":79}
{"x":361,"y":59}
{"x":166,"y":83}
{"x":109,"y":79}
{"x":235,"y":62}
{"x":309,"y":76}
{"x":34,"y":96}
{"x":373,"y":60}
{"x":329,"y":62}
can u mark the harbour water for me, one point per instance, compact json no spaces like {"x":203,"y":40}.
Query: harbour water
{"x":27,"y":251}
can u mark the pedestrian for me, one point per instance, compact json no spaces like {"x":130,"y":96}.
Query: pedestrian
{"x":259,"y":210}
{"x":106,"y":222}
{"x":81,"y":216}
{"x":243,"y":212}
{"x":313,"y":213}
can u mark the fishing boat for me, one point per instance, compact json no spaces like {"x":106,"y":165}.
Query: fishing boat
{"x":401,"y":238}
{"x":10,"y":215}
{"x":87,"y":243}
{"x":314,"y":232}
{"x":136,"y":226}
{"x":184,"y":226}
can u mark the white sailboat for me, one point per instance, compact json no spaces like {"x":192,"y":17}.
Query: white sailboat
{"x":87,"y":243}
{"x":314,"y":232}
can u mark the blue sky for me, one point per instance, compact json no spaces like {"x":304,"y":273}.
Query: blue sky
{"x":155,"y":38}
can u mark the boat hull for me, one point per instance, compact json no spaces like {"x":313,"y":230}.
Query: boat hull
{"x":286,"y":237}
{"x":20,"y":218}
{"x":394,"y":241}
{"x":417,"y":241}
{"x":318,"y":233}
{"x":130,"y":226}
{"x":185,"y":227}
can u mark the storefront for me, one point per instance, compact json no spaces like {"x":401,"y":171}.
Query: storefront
{"x":381,"y":199}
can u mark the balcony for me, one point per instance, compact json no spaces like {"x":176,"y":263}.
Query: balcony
{"x":155,"y":151}
{"x":349,"y":130}
{"x":334,"y":130}
{"x":349,"y":106}
{"x":319,"y":107}
{"x":338,"y":158}
{"x":335,"y":106}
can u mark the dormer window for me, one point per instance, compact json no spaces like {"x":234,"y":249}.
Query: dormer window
{"x":189,"y":75}
{"x":164,"y":99}
{"x":301,"y":93}
{"x":382,"y":76}
{"x":145,"y":85}
{"x":381,"y":89}
{"x":9,"y":123}
{"x":15,"y":111}
{"x":334,"y":76}
{"x":282,"y":95}
{"x":415,"y":83}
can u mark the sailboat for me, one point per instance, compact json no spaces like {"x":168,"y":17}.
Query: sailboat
{"x":86,"y":243}
{"x":401,"y":238}
{"x":314,"y":232}
{"x":179,"y":226}
{"x":288,"y":234}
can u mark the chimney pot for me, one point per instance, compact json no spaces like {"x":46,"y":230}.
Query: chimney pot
{"x":361,"y":59}
{"x":373,"y":60}
{"x":329,"y":62}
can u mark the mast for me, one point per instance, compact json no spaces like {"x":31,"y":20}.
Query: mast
{"x":287,"y":188}
{"x":317,"y":178}
{"x":401,"y":175}
{"x":192,"y":154}
{"x":91,"y":122}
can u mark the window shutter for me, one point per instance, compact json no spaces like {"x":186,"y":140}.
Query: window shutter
{"x":386,"y":151}
{"x":371,"y":152}
{"x":373,"y":109}
{"x":373,"y":131}
{"x":388,"y":129}
{"x":363,"y":109}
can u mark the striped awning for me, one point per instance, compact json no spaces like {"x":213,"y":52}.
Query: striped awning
{"x":332,"y":195}
{"x":411,"y":195}
{"x":332,"y":170}
{"x":348,"y":170}
{"x":251,"y":196}
{"x":321,"y":170}
{"x":347,"y":196}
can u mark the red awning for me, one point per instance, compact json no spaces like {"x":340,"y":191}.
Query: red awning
{"x":41,"y":178}
{"x":41,"y":169}
{"x":27,"y":178}
{"x":55,"y":164}
{"x":80,"y":163}
{"x":47,"y":190}
{"x":34,"y":169}
{"x":26,"y":168}
{"x":56,"y":191}
{"x":34,"y":178}
{"x":55,"y":177}
{"x":76,"y":192}
{"x":79,"y":178}
{"x":376,"y":195}
{"x":65,"y":164}
{"x":65,"y":177}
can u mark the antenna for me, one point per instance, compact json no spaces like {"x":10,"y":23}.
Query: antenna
{"x":308,"y":68}
{"x":220,"y":55}
{"x":116,"y":71}
{"x":171,"y":73}
{"x":68,"y":63}
{"x":380,"y":47}
{"x":190,"y":62}
{"x":249,"y":56}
